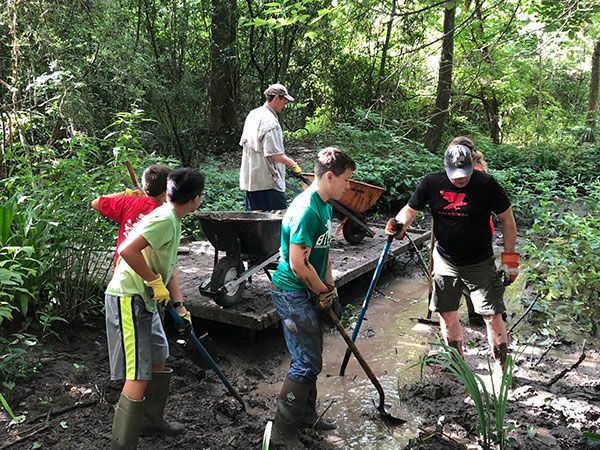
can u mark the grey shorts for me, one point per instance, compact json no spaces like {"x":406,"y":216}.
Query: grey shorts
{"x":480,"y":280}
{"x":136,"y":338}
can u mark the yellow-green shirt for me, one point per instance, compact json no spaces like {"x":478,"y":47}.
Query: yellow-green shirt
{"x":162,"y":230}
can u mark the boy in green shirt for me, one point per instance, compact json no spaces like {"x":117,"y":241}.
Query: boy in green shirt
{"x":303,"y":285}
{"x":137,"y":344}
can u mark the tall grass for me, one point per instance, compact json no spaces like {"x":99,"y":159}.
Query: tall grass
{"x":490,"y":407}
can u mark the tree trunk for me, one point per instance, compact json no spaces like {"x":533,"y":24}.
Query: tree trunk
{"x":386,"y":46}
{"x":590,"y":121}
{"x":492,"y":111}
{"x":433,"y":138}
{"x":224,"y":90}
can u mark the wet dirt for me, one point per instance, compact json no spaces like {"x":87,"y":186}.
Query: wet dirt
{"x":76,"y":370}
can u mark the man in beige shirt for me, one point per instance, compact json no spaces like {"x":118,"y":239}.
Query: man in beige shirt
{"x":262,"y":173}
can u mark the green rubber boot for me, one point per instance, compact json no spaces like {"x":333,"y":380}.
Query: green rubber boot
{"x":126,"y":424}
{"x":311,"y":418}
{"x":157,"y":393}
{"x":289,"y":417}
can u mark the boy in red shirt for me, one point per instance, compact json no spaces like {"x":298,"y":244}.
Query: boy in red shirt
{"x":128,"y":207}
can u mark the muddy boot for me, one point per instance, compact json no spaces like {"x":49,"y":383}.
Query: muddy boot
{"x":289,"y":416}
{"x":311,"y":418}
{"x":154,"y":407}
{"x":126,"y":424}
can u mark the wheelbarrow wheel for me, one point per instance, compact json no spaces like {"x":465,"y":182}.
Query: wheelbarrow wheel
{"x":353,"y":233}
{"x":226,"y":270}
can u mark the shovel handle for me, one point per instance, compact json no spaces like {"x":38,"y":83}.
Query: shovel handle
{"x":358,"y":356}
{"x":132,"y":174}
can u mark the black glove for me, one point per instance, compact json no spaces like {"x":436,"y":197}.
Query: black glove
{"x":394,"y":228}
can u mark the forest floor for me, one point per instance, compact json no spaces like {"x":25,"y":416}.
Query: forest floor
{"x":68,"y":403}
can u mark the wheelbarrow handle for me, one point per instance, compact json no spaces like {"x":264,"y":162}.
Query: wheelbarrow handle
{"x":206,"y":356}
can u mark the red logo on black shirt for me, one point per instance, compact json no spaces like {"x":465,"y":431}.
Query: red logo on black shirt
{"x":454,"y":198}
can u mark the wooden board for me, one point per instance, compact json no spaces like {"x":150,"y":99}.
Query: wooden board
{"x":255,"y":310}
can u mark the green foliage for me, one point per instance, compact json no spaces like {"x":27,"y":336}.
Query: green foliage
{"x":14,"y":366}
{"x":490,"y":406}
{"x":564,"y":242}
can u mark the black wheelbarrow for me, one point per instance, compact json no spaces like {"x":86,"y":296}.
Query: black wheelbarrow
{"x":245,"y":237}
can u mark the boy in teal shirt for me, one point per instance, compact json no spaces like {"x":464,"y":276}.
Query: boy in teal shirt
{"x":303,"y":284}
{"x":137,"y":344}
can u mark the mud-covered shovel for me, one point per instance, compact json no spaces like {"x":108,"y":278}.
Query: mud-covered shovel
{"x":204,"y":354}
{"x":381,"y":407}
{"x":429,"y":273}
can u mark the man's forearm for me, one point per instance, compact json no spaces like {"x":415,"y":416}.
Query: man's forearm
{"x":406,"y":216}
{"x":304,"y":271}
{"x":509,"y":230}
{"x":283,"y":159}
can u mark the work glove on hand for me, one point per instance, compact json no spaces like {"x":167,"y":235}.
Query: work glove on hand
{"x":160,"y":293}
{"x":394,"y":228}
{"x":509,"y":267}
{"x":326,"y":299}
{"x":137,"y":192}
{"x":296,"y":170}
{"x":187,"y":317}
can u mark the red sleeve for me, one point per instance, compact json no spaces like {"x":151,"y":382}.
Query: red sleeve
{"x":113,"y":207}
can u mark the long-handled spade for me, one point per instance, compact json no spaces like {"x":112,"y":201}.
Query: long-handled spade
{"x":352,"y":347}
{"x":365,"y":305}
{"x":428,"y":271}
{"x":182,"y":324}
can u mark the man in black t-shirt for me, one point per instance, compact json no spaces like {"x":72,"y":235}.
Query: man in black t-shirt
{"x":461,"y":202}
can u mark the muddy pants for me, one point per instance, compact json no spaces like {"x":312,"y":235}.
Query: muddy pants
{"x":303,"y":332}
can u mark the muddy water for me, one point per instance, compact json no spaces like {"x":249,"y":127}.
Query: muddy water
{"x":390,"y":343}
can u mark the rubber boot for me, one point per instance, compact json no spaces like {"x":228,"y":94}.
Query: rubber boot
{"x":126,"y":424}
{"x":289,"y":416}
{"x":154,"y":407}
{"x":311,"y":418}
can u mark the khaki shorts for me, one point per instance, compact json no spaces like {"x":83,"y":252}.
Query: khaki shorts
{"x":136,"y":338}
{"x":481,"y":280}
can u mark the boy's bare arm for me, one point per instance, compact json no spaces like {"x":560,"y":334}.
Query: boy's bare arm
{"x":306,"y":273}
{"x":131,"y":252}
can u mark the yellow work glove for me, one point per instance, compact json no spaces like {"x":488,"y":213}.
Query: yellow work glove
{"x":137,"y":192}
{"x":160,"y":293}
{"x":187,"y":317}
{"x":296,"y":170}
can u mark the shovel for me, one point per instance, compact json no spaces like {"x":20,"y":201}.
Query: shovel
{"x":365,"y":305}
{"x":381,"y":407}
{"x":428,"y":271}
{"x":204,"y":353}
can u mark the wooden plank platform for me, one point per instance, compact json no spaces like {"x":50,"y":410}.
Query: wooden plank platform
{"x":255,"y":311}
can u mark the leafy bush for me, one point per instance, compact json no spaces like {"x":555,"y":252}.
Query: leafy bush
{"x":564,"y":242}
